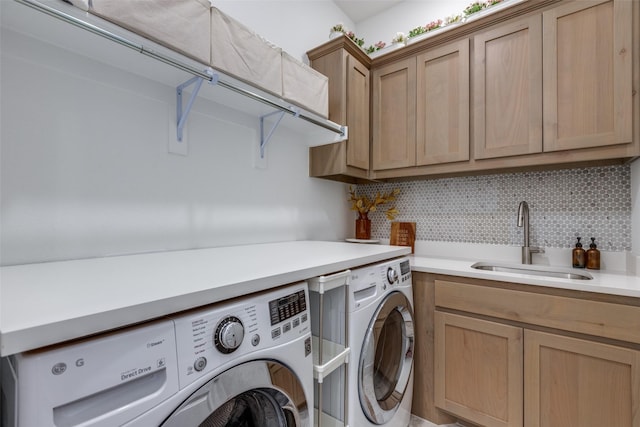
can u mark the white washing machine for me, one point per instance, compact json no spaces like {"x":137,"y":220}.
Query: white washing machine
{"x":381,"y":337}
{"x":246,"y":362}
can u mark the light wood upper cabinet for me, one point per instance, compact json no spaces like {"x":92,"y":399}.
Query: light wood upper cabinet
{"x":568,"y":89}
{"x":421,"y":109}
{"x":357,"y":119}
{"x":588,"y":74}
{"x":394,"y":115}
{"x":443,"y":104}
{"x":346,"y":66}
{"x":478,"y":366}
{"x":572,"y":382}
{"x":539,"y":84}
{"x":508,"y":89}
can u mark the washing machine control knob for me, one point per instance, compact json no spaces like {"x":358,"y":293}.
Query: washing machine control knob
{"x":228,"y":335}
{"x":392,"y":275}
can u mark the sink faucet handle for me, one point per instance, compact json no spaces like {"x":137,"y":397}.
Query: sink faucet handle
{"x":527,"y":251}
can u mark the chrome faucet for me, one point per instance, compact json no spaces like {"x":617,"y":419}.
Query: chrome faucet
{"x":523,"y":221}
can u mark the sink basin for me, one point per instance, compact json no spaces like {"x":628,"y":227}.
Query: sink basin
{"x":536,"y":270}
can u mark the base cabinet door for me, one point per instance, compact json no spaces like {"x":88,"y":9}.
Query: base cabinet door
{"x":478,"y":369}
{"x":571,"y":382}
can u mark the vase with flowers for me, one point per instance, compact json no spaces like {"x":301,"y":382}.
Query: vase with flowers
{"x":337,"y":30}
{"x":400,"y":39}
{"x":363,"y":205}
{"x":357,"y":40}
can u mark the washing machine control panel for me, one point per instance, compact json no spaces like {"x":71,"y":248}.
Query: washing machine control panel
{"x":405,"y":271}
{"x":287,"y":307}
{"x":229,"y":334}
{"x":218,"y":336}
{"x":392,"y":276}
{"x":370,"y":282}
{"x":398,"y":273}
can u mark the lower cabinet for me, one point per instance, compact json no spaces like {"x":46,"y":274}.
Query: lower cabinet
{"x":478,"y":367}
{"x":494,"y":374}
{"x":509,"y":357}
{"x":572,"y":382}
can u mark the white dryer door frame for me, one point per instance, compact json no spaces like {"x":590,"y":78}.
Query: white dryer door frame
{"x":265,"y":391}
{"x":386,"y":359}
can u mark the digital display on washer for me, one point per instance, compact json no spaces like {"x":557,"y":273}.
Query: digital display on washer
{"x":405,"y":267}
{"x":283,"y":308}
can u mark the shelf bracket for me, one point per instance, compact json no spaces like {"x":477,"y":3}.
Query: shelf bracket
{"x":264,"y":140}
{"x":182,"y":111}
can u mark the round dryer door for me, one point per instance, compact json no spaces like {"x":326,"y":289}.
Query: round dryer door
{"x":257,"y":393}
{"x":386,"y":358}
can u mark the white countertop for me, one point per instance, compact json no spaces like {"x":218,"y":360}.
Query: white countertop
{"x":603,"y":282}
{"x":48,"y":303}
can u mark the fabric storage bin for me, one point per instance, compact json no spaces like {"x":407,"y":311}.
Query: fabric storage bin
{"x":182,"y":25}
{"x":240,"y":52}
{"x":304,"y":86}
{"x":81,"y":4}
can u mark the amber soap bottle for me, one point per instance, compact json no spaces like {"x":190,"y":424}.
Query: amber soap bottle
{"x":593,"y":256}
{"x":579,"y":255}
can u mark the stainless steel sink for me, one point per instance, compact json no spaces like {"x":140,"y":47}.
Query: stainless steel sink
{"x":536,"y":270}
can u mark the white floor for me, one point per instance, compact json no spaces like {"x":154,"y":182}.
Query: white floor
{"x":419,"y":422}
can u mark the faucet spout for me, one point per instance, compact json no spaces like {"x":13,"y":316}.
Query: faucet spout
{"x":523,"y":221}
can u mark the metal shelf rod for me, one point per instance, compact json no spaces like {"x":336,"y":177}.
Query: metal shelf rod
{"x":333,"y":127}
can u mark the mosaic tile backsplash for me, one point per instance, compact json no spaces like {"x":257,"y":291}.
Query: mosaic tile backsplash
{"x":563,"y":204}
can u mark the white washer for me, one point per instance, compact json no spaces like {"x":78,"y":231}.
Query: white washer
{"x":381,"y":337}
{"x":243,"y":362}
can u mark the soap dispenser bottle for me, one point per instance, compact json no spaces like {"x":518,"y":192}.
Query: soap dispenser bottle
{"x":593,"y":256}
{"x":579,"y":255}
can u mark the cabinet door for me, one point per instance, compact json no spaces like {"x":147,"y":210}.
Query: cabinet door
{"x":588,"y":74}
{"x":508,"y":89}
{"x":357,"y":114}
{"x":333,"y":65}
{"x":394,"y":115}
{"x":348,"y":104}
{"x":478,"y":367}
{"x":443,"y":105}
{"x":577,"y":383}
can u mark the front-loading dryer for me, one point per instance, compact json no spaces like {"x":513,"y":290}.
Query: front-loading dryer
{"x":244,"y":362}
{"x":381,"y":338}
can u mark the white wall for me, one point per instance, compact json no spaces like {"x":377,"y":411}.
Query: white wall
{"x":405,"y":16}
{"x":85,"y":169}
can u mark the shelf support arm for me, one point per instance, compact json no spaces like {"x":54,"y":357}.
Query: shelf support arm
{"x":264,"y":140}
{"x":182,"y":111}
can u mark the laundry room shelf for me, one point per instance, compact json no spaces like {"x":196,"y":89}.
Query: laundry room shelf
{"x":327,"y":420}
{"x":323,"y":284}
{"x":58,"y":23}
{"x":333,"y":356}
{"x":330,"y":336}
{"x":329,"y":354}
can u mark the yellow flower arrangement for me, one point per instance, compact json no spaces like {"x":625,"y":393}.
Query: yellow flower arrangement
{"x":363,"y":204}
